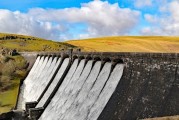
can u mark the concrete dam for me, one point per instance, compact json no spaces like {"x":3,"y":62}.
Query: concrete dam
{"x":98,"y":86}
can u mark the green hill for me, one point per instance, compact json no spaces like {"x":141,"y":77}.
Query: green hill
{"x":28,"y":43}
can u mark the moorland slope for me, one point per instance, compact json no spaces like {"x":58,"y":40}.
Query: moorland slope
{"x":29,"y":43}
{"x":162,"y":44}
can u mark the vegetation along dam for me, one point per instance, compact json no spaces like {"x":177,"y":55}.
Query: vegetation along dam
{"x":98,"y":86}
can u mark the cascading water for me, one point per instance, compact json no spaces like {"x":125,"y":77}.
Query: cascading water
{"x":83,"y":93}
{"x":54,"y":83}
{"x":64,"y":90}
{"x":98,"y":90}
{"x":76,"y":88}
{"x":106,"y":93}
{"x":85,"y":89}
{"x":45,"y":80}
{"x":83,"y":108}
{"x":29,"y":85}
{"x":32,"y":73}
{"x":37,"y":83}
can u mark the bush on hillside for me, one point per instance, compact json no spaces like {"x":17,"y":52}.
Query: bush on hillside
{"x":11,"y":68}
{"x":8,"y":68}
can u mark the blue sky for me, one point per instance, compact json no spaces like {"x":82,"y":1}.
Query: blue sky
{"x":78,"y":19}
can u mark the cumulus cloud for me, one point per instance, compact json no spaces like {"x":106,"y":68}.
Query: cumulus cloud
{"x":101,"y":19}
{"x":20,"y":23}
{"x":142,"y":3}
{"x":165,"y":24}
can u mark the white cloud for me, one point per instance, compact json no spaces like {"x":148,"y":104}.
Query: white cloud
{"x":165,"y":24}
{"x":20,"y":23}
{"x":101,"y":18}
{"x":142,"y":3}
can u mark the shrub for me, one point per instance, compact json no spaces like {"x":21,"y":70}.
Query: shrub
{"x":5,"y":78}
{"x":9,"y":68}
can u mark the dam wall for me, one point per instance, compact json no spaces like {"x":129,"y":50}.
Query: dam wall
{"x":148,"y":88}
{"x":99,"y":86}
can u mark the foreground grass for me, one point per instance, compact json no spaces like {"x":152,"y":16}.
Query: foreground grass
{"x":129,"y":44}
{"x":8,"y":98}
{"x":12,"y":69}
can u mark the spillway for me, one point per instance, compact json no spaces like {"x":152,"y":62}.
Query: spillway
{"x":99,"y":86}
{"x":30,"y":90}
{"x":62,"y":95}
{"x":54,"y":83}
{"x":106,"y":93}
{"x":28,"y":81}
{"x":28,"y":78}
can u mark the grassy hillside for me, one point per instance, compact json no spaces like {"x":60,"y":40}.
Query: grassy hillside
{"x":12,"y":69}
{"x":129,"y":44}
{"x":104,"y":44}
{"x":28,"y":43}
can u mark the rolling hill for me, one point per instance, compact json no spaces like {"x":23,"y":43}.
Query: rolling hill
{"x":162,"y":44}
{"x":28,"y":43}
{"x":129,"y":44}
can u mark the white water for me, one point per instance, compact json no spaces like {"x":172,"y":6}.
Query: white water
{"x":29,"y":84}
{"x":45,"y":79}
{"x":63,"y":90}
{"x":83,"y":93}
{"x":76,"y":89}
{"x":31,"y":73}
{"x":106,"y":94}
{"x":36,"y":89}
{"x":82,"y":110}
{"x":38,"y":73}
{"x":54,"y":83}
{"x":29,"y":78}
{"x":84,"y":90}
{"x":33,"y":69}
